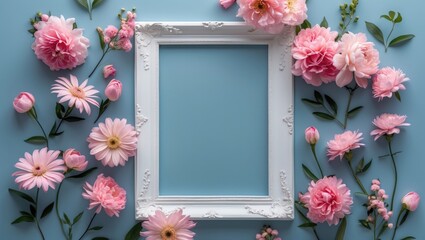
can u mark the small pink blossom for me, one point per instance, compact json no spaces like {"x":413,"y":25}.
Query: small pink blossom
{"x":23,"y":102}
{"x":227,"y":3}
{"x":107,"y":194}
{"x":113,"y":90}
{"x":388,"y":81}
{"x":411,"y":201}
{"x":313,"y":50}
{"x":344,"y":143}
{"x":75,"y":160}
{"x":388,"y":124}
{"x":109,"y":71}
{"x":312,"y":135}
{"x":44,"y":17}
{"x":328,"y":200}
{"x":376,"y":201}
{"x":355,"y":56}
{"x":294,"y":12}
{"x":111,"y":31}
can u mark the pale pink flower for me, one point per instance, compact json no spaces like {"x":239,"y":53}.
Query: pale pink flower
{"x":113,"y":90}
{"x":313,"y":50}
{"x":355,"y":56}
{"x":109,"y":71}
{"x":344,"y":143}
{"x":388,"y":124}
{"x":42,"y":169}
{"x":262,"y":14}
{"x":294,"y":12}
{"x":311,"y":135}
{"x":79,"y":96}
{"x":107,"y":194}
{"x":227,"y":3}
{"x":388,"y":81}
{"x":111,"y":31}
{"x":23,"y":102}
{"x":44,"y":17}
{"x":411,"y":201}
{"x":168,"y":227}
{"x":75,"y":160}
{"x":113,"y":142}
{"x":58,"y":45}
{"x":328,"y":200}
{"x":376,"y":201}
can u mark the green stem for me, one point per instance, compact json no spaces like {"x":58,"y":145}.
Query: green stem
{"x":88,"y":226}
{"x":333,"y":114}
{"x":313,"y":149}
{"x":33,"y":114}
{"x":398,"y":220}
{"x":103,"y":106}
{"x":356,"y":178}
{"x":67,"y":112}
{"x":395,"y":173}
{"x":57,"y":211}
{"x":388,"y":37}
{"x":100,"y":60}
{"x":36,"y":218}
{"x":374,"y":226}
{"x":315,"y":233}
{"x":347,"y":109}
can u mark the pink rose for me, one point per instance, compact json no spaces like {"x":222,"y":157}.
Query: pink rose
{"x":313,"y":50}
{"x":74,"y":160}
{"x":113,"y":90}
{"x":388,"y":81}
{"x":328,"y":200}
{"x":227,"y":3}
{"x":58,"y":45}
{"x":108,"y":71}
{"x":344,"y":143}
{"x":355,"y":56}
{"x":294,"y":12}
{"x":111,"y":31}
{"x":312,"y":135}
{"x":23,"y":102}
{"x":388,"y":124}
{"x":411,"y":201}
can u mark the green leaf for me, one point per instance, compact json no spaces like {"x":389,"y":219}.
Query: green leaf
{"x":332,"y":104}
{"x":59,"y":109}
{"x":401,"y":39}
{"x":309,"y":173}
{"x":399,"y":18}
{"x":391,"y":14}
{"x":25,"y":213}
{"x":97,"y":228}
{"x":360,"y":166}
{"x":74,"y":25}
{"x":375,"y":31}
{"x":101,"y":40}
{"x":366,"y":167}
{"x":341,"y":230}
{"x":365,"y":224}
{"x":302,"y":215}
{"x":324,"y":23}
{"x":73,"y":119}
{"x":404,"y":218}
{"x":311,"y":102}
{"x":23,"y":219}
{"x":83,"y":174}
{"x":386,"y":17}
{"x":354,"y":111}
{"x":83,"y":3}
{"x":397,"y":96}
{"x":67,"y":221}
{"x":36,"y":140}
{"x":323,"y":115}
{"x":100,"y":238}
{"x":22,"y":195}
{"x":305,"y":24}
{"x":47,"y":210}
{"x":77,"y":218}
{"x":33,"y":210}
{"x":408,"y":238}
{"x":318,"y":97}
{"x":96,"y":3}
{"x":307,"y":225}
{"x":134,"y":232}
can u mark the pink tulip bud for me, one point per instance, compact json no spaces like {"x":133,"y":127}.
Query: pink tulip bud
{"x":23,"y":102}
{"x":411,"y":201}
{"x":312,"y":135}
{"x":74,"y":160}
{"x":109,"y":71}
{"x":113,"y":90}
{"x":227,"y":3}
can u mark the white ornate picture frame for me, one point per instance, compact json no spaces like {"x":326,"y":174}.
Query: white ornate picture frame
{"x":279,"y":202}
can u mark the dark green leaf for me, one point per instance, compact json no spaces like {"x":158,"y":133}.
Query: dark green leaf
{"x":33,"y":210}
{"x":341,"y":230}
{"x":23,"y":219}
{"x":97,"y":228}
{"x":365,"y":224}
{"x":77,"y":218}
{"x":67,"y":221}
{"x":36,"y":140}
{"x":318,"y":97}
{"x":391,"y":14}
{"x":47,"y":210}
{"x":311,"y":102}
{"x":408,"y":238}
{"x":404,"y":218}
{"x":397,"y":96}
{"x":101,"y":40}
{"x":74,"y":25}
{"x":324,"y":23}
{"x":32,"y":31}
{"x":305,"y":24}
{"x":309,"y":174}
{"x":134,"y":232}
{"x":25,"y":213}
{"x":100,"y":238}
{"x":354,"y":111}
{"x":332,"y":104}
{"x":386,"y":17}
{"x":360,"y":166}
{"x":401,"y":39}
{"x":73,"y":119}
{"x":83,"y":174}
{"x":375,"y":31}
{"x":302,"y":215}
{"x":83,"y":3}
{"x":367,"y":166}
{"x":399,"y":18}
{"x":22,"y":195}
{"x":96,"y":3}
{"x":52,"y":130}
{"x":323,"y":115}
{"x":307,"y":225}
{"x":297,"y":29}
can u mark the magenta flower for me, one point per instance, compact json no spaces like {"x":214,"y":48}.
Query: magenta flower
{"x":295,"y":12}
{"x":75,"y":160}
{"x":411,"y":201}
{"x":78,"y":96}
{"x":328,"y":200}
{"x":175,"y":226}
{"x":313,"y":50}
{"x":23,"y":102}
{"x":58,"y":45}
{"x":107,"y":194}
{"x":388,"y":81}
{"x":388,"y":124}
{"x":113,"y":142}
{"x":344,"y":143}
{"x":42,"y":169}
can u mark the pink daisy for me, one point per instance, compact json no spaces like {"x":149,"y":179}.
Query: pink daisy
{"x":41,"y":169}
{"x":79,"y":96}
{"x":175,"y":226}
{"x":344,"y":143}
{"x":113,"y":142}
{"x":388,"y":124}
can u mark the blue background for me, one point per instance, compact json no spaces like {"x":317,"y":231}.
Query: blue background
{"x":21,"y":71}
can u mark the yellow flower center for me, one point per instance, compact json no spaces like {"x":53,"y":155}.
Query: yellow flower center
{"x":38,"y":171}
{"x":259,"y":6}
{"x":113,"y":142}
{"x":168,"y":233}
{"x":77,"y":92}
{"x":291,"y":4}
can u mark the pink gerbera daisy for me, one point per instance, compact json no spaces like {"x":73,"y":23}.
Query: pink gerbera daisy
{"x":113,"y":142}
{"x":79,"y":96}
{"x":41,"y":169}
{"x":388,"y":124}
{"x":175,"y":226}
{"x":343,"y":143}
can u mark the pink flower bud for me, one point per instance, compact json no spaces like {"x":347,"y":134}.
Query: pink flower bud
{"x":390,"y":225}
{"x":227,"y":3}
{"x":44,"y":17}
{"x":312,"y":135}
{"x":411,"y":201}
{"x":74,"y":160}
{"x":23,"y":102}
{"x":275,"y":233}
{"x":113,"y":90}
{"x":109,"y":71}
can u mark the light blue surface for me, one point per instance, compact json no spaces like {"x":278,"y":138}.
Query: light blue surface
{"x":21,"y":71}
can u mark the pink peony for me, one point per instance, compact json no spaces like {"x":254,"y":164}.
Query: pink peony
{"x":175,"y":226}
{"x":107,"y":194}
{"x":113,"y":90}
{"x":388,"y":124}
{"x":113,"y":142}
{"x":42,"y":169}
{"x":312,"y":135}
{"x":227,"y":3}
{"x":295,"y":12}
{"x":411,"y":201}
{"x":109,"y":71}
{"x":263,"y":14}
{"x":58,"y":45}
{"x":313,"y":51}
{"x":355,"y":56}
{"x":344,"y":143}
{"x":387,"y":81}
{"x":23,"y":102}
{"x":74,"y":160}
{"x":328,"y":200}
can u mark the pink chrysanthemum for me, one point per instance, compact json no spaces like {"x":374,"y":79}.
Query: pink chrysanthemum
{"x":107,"y":194}
{"x":79,"y":96}
{"x":344,"y":143}
{"x":295,"y":12}
{"x":42,"y":169}
{"x":328,"y":200}
{"x":388,"y":124}
{"x":113,"y":142}
{"x":175,"y":226}
{"x":388,"y":81}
